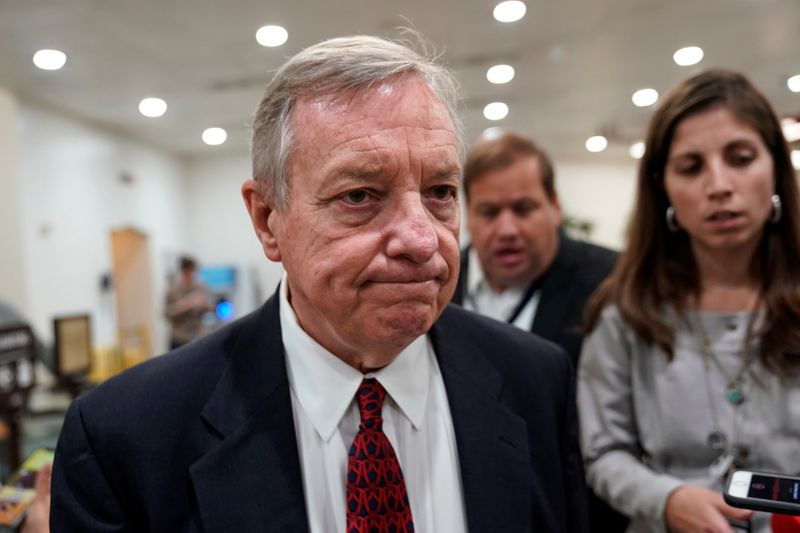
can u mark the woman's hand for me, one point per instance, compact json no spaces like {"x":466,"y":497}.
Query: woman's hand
{"x":38,"y":518}
{"x":693,"y":509}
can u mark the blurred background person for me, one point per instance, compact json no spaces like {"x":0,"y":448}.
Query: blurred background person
{"x":187,"y":301}
{"x":690,"y":369}
{"x":520,"y":266}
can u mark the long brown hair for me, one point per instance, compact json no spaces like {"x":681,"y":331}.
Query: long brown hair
{"x":658,"y":266}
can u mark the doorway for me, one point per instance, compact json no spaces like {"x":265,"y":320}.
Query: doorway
{"x":133,"y":288}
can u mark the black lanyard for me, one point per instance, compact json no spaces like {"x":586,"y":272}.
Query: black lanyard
{"x":526,"y":297}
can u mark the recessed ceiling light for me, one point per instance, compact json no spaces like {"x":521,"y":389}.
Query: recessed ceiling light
{"x":791,"y":129}
{"x":644,"y":97}
{"x":500,"y":74}
{"x":152,"y":107}
{"x":796,"y":159}
{"x":637,"y":150}
{"x":271,"y":35}
{"x":794,"y":83}
{"x":509,"y":11}
{"x":49,"y":59}
{"x":214,"y":136}
{"x":495,"y":111}
{"x":597,"y":143}
{"x":690,"y":55}
{"x":492,"y":133}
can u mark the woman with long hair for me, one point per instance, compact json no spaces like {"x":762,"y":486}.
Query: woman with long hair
{"x":691,"y":366}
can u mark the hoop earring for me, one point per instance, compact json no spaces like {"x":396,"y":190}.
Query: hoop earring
{"x":672,"y":222}
{"x":777,"y":209}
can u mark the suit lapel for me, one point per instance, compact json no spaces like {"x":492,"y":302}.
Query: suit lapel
{"x":251,"y":481}
{"x":556,"y":295}
{"x":492,"y":442}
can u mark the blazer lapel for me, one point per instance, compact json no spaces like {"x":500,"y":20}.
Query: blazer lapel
{"x":251,"y":480}
{"x":492,"y":442}
{"x":556,"y":295}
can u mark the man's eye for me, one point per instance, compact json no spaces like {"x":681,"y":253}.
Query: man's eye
{"x":359,"y":196}
{"x":444,"y":192}
{"x":523,"y":209}
{"x":487,"y":211}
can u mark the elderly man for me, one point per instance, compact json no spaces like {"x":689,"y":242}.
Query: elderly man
{"x":354,"y":400}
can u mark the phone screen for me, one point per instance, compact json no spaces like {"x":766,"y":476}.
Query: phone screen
{"x":18,"y":493}
{"x":13,"y":504}
{"x":774,"y":488}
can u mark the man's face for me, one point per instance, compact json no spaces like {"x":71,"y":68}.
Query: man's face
{"x":513,"y":224}
{"x":369,"y":235}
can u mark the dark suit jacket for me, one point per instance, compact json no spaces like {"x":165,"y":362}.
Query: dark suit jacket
{"x":203,"y":439}
{"x":577,"y":270}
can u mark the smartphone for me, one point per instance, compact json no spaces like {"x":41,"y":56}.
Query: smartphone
{"x":762,"y":491}
{"x":18,"y":492}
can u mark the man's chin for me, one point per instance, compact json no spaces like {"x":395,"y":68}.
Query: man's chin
{"x":406,"y":320}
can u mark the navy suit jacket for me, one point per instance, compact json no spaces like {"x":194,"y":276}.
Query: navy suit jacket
{"x":203,"y":439}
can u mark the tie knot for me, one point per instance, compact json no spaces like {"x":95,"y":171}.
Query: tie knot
{"x":370,"y":397}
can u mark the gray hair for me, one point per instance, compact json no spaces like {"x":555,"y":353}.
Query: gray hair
{"x":333,"y":67}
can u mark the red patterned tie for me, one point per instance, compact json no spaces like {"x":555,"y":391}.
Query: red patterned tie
{"x":376,"y":493}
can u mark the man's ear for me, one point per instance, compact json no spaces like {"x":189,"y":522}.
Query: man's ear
{"x":263,"y":216}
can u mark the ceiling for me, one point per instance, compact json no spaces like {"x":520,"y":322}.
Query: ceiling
{"x":577,"y":61}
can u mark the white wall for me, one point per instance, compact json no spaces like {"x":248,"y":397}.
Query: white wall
{"x":12,"y":272}
{"x":600,"y":193}
{"x":72,"y":197}
{"x":221,"y":232}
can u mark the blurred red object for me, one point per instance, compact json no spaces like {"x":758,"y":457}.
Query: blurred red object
{"x":785,"y":524}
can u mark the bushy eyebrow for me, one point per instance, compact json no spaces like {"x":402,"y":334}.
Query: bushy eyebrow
{"x":451,"y":173}
{"x":364,"y":171}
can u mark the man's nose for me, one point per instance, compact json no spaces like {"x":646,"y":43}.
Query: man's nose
{"x":412,"y":231}
{"x":506,"y":224}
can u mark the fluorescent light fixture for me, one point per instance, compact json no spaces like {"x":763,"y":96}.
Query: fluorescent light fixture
{"x":644,"y":97}
{"x":214,"y":136}
{"x":796,"y":159}
{"x":791,"y":129}
{"x":690,"y":55}
{"x":271,"y":35}
{"x":49,"y":59}
{"x":492,"y":133}
{"x":637,"y":150}
{"x":495,"y":111}
{"x":152,"y":107}
{"x":598,"y":143}
{"x":500,"y":74}
{"x":793,"y":83}
{"x":509,"y":11}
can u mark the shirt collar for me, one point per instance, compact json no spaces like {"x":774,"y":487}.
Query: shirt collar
{"x":325,"y":385}
{"x":475,"y":275}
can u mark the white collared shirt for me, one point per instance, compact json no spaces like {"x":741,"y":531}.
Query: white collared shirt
{"x":416,"y":420}
{"x":481,"y":298}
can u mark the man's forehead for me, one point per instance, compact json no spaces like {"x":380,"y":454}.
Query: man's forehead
{"x":324,"y":122}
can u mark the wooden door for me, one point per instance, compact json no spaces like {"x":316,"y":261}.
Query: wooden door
{"x":133,"y":288}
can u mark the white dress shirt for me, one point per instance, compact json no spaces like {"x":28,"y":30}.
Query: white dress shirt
{"x":483,"y":299}
{"x":416,"y":420}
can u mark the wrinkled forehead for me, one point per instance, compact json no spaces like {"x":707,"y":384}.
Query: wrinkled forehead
{"x":321,"y":122}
